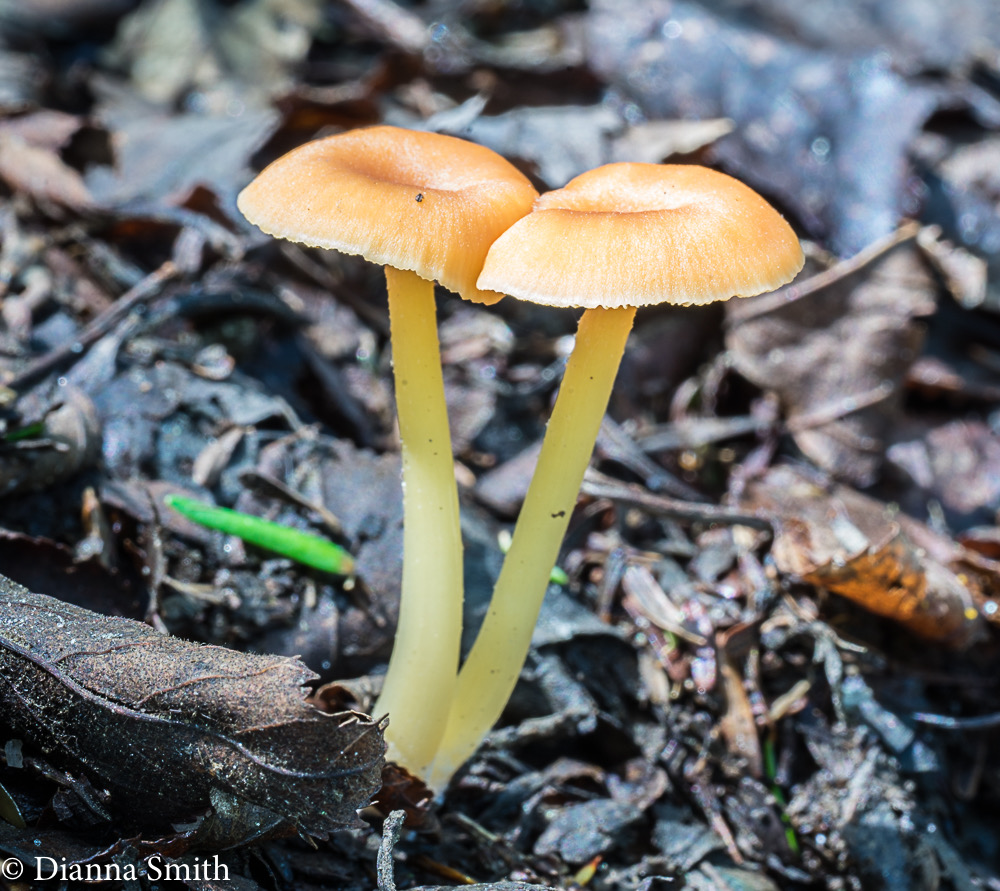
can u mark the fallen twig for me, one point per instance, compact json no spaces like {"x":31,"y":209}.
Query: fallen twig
{"x":741,"y":311}
{"x":149,"y":287}
{"x":597,"y":485}
{"x":390,"y":835}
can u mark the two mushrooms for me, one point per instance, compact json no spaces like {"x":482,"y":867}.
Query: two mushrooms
{"x":435,"y":208}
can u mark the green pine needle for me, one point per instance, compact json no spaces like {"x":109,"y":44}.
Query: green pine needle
{"x":303,"y":547}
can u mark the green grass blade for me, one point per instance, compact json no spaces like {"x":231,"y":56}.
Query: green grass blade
{"x":771,"y":772}
{"x":29,"y":432}
{"x":303,"y":547}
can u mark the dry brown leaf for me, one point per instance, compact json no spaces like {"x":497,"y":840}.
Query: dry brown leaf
{"x":835,"y":348}
{"x":38,"y":171}
{"x":838,"y":539}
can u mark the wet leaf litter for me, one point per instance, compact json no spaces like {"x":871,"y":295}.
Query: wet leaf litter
{"x":773,"y":661}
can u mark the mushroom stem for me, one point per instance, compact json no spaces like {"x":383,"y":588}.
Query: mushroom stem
{"x":491,"y":670}
{"x":420,"y":680}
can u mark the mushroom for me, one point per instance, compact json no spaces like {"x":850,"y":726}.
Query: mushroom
{"x":427,"y":207}
{"x":615,"y":238}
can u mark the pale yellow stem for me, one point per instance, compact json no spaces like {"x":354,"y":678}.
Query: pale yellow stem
{"x":492,"y":668}
{"x":420,"y":681}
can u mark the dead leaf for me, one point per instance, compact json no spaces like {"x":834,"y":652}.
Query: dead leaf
{"x":920,"y":35}
{"x":172,"y":726}
{"x":392,"y":23}
{"x":836,"y":538}
{"x":45,"y":128}
{"x":38,"y":171}
{"x":163,"y":159}
{"x":739,"y":729}
{"x":969,"y":186}
{"x":836,"y":348}
{"x":579,"y":831}
{"x":403,"y":791}
{"x":964,"y":274}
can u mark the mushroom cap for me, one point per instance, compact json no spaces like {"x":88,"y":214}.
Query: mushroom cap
{"x":424,"y":202}
{"x":638,"y":234}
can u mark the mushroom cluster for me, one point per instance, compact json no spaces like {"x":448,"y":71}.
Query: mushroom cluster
{"x":431,"y":208}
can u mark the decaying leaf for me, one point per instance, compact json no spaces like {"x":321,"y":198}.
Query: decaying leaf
{"x":162,"y":159}
{"x":835,"y":348}
{"x":919,"y":35}
{"x":171,"y":727}
{"x":839,"y":539}
{"x":964,"y":274}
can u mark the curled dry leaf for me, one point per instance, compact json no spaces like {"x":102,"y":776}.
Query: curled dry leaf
{"x":965,"y":275}
{"x":838,"y":539}
{"x":171,"y":726}
{"x":69,"y":441}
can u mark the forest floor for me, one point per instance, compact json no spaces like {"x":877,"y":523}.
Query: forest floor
{"x":774,"y":660}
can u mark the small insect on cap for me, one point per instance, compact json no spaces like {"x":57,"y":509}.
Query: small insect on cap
{"x":418,"y":201}
{"x":638,"y":234}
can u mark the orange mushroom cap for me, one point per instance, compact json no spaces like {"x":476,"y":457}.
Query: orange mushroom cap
{"x":418,"y":201}
{"x":638,"y":234}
